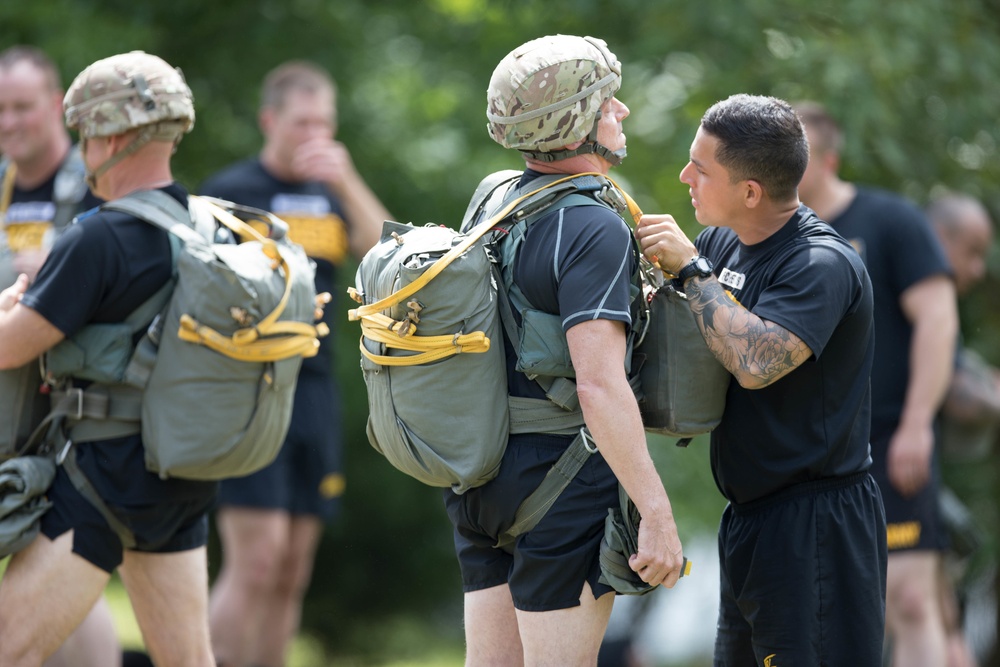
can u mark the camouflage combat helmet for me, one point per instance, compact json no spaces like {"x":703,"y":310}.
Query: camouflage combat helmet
{"x":548,"y":93}
{"x":125,"y":92}
{"x":129,"y":91}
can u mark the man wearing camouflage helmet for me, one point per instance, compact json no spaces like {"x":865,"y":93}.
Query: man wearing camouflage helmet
{"x":130,"y":110}
{"x":41,"y":188}
{"x":542,"y":600}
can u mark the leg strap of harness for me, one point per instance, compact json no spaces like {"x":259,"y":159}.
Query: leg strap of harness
{"x":87,"y":490}
{"x":534,"y":507}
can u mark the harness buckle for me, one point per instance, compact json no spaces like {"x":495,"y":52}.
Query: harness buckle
{"x":611,"y":196}
{"x":63,"y":452}
{"x":79,"y":401}
{"x":588,"y":442}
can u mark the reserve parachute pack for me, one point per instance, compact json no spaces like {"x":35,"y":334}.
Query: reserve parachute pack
{"x":683,"y":385}
{"x":210,"y":384}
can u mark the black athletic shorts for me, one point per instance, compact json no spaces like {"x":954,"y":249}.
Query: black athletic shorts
{"x":549,"y":563}
{"x":165,"y":516}
{"x":306,"y":478}
{"x":803,"y":577}
{"x":912,"y":523}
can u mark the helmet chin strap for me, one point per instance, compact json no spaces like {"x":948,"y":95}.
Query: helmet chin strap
{"x":141,"y":139}
{"x":589,"y":145}
{"x":164,"y":131}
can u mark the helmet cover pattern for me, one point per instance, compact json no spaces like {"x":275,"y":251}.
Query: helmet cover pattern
{"x":128,"y":91}
{"x":546,"y":94}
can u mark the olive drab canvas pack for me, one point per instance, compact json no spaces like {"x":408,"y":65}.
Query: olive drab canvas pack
{"x":432,"y":337}
{"x":216,"y":370}
{"x":23,"y":405}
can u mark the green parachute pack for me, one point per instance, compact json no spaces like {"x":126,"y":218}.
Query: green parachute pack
{"x":435,"y":302}
{"x":211,"y":383}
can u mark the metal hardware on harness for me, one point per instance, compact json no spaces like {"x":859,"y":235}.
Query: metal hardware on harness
{"x":65,"y":450}
{"x":587,"y":441}
{"x":79,"y":401}
{"x":613,"y":198}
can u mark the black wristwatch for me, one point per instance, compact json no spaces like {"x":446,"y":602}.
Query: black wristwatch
{"x":699,"y":266}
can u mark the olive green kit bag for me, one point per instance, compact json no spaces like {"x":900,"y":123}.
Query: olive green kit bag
{"x":211,"y":382}
{"x":435,"y":303}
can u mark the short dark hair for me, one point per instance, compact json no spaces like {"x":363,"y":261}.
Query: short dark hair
{"x":36,"y":57}
{"x":760,"y":139}
{"x":294,"y":75}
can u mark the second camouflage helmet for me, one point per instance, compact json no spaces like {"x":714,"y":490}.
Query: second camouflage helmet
{"x":547,"y":93}
{"x":128,"y":91}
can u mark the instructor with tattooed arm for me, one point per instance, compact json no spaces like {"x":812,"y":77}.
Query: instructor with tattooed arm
{"x":785,"y":304}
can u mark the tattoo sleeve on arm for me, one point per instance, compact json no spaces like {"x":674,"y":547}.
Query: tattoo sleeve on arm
{"x":755,"y":351}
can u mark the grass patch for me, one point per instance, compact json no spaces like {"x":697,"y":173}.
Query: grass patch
{"x":400,"y":637}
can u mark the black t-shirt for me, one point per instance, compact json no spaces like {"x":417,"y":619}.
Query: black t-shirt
{"x":575,"y":262}
{"x":28,"y":220}
{"x":100,"y":270}
{"x":898,"y":246}
{"x":315,"y":221}
{"x":813,"y":423}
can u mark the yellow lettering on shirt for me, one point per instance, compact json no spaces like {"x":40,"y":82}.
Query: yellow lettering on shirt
{"x":23,"y":236}
{"x":322,"y":237}
{"x":903,"y":535}
{"x":332,"y":485}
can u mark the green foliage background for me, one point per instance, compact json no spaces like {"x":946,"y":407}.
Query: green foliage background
{"x":914,"y":84}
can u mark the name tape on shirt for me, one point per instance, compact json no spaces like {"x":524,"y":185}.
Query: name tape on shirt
{"x":732,"y":279}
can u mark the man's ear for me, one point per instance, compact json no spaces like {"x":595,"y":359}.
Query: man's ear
{"x":57,"y":105}
{"x":831,"y":161}
{"x":753,"y":193}
{"x":265,"y":119}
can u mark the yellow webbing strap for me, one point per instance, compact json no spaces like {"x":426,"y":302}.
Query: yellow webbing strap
{"x":400,"y":335}
{"x":269,"y":339}
{"x":431,"y":348}
{"x":7,"y":189}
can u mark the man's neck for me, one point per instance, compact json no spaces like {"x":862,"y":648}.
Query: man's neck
{"x":275,"y":165}
{"x":832,"y":199}
{"x":138,"y":172}
{"x":578,"y":164}
{"x":765,"y":223}
{"x":40,"y":168}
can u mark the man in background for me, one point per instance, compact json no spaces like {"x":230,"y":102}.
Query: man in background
{"x":970,"y":416}
{"x":916,"y":324}
{"x":785,"y":304}
{"x":270,"y":522}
